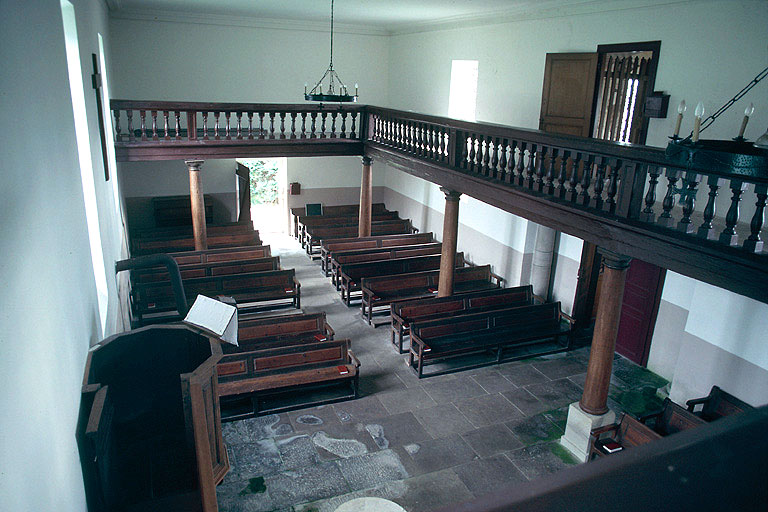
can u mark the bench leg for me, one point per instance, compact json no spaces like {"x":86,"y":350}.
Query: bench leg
{"x":370,"y":313}
{"x":400,"y":334}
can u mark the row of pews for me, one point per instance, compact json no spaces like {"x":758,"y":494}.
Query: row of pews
{"x":285,"y":358}
{"x":631,"y":431}
{"x":396,"y":274}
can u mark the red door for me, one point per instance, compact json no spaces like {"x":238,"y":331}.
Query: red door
{"x":642,"y":293}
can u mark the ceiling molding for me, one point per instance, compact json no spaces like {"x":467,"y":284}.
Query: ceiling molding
{"x":242,"y":21}
{"x":531,"y":11}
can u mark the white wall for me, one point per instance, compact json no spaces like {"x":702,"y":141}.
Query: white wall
{"x":48,"y":306}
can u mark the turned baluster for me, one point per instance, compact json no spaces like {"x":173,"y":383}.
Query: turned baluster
{"x":665,"y":219}
{"x":333,"y":124}
{"x":729,"y":236}
{"x":429,"y":149}
{"x":216,"y":125}
{"x":597,"y":196}
{"x":352,"y":129}
{"x":753,"y":242}
{"x":573,"y":181}
{"x":166,"y":126}
{"x":648,"y":215}
{"x":706,"y":230}
{"x":303,"y":125}
{"x":143,"y":126}
{"x":205,"y":125}
{"x":344,"y":125}
{"x":250,"y":125}
{"x":293,"y":125}
{"x":534,"y":161}
{"x":131,"y":135}
{"x":688,"y":197}
{"x":323,"y":117}
{"x":502,"y":172}
{"x":282,"y":125}
{"x":473,"y":146}
{"x":485,"y":156}
{"x":227,"y":133}
{"x":272,"y":131}
{"x":613,"y":185}
{"x":261,"y":124}
{"x":519,"y":174}
{"x":116,"y":114}
{"x":312,"y":125}
{"x":549,"y":186}
{"x":416,"y":140}
{"x":178,"y":125}
{"x":154,"y":125}
{"x":239,"y":125}
{"x":562,"y":176}
{"x":586,"y":176}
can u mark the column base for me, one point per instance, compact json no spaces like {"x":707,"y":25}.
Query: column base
{"x":578,"y":428}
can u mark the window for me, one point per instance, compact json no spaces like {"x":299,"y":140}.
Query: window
{"x":84,"y":155}
{"x":462,"y":100}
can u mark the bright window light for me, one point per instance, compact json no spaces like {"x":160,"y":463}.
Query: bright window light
{"x":109,"y":132}
{"x":84,"y":156}
{"x":462,"y":101}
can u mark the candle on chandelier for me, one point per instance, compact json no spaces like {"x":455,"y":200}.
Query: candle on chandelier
{"x":747,"y":112}
{"x":697,"y":121}
{"x":305,"y":87}
{"x":355,"y":88}
{"x":680,"y":111}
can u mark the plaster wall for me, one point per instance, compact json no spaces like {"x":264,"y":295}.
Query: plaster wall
{"x":48,"y":303}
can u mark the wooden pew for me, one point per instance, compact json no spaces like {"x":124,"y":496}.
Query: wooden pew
{"x":156,"y":245}
{"x":223,"y":254}
{"x":185,"y":231}
{"x":283,"y":330}
{"x":343,"y":209}
{"x":279,"y":286}
{"x":328,"y":246}
{"x":671,"y":419}
{"x":385,"y":290}
{"x":177,"y":210}
{"x":385,"y":253}
{"x":316,"y":221}
{"x":285,"y":378}
{"x":350,"y":274}
{"x":430,"y":308}
{"x":525,"y":331}
{"x":217,"y":268}
{"x":314,"y":236}
{"x":717,"y":404}
{"x":627,"y":433}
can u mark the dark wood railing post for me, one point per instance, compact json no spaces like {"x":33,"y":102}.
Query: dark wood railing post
{"x":192,"y":125}
{"x":366,"y":193}
{"x":198,"y":206}
{"x":450,"y":238}
{"x":630,"y":197}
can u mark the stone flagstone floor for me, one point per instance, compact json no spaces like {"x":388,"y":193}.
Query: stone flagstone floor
{"x":421,"y":443}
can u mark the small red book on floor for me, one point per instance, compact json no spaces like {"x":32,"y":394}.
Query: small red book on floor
{"x":612,"y":447}
{"x":320,"y":337}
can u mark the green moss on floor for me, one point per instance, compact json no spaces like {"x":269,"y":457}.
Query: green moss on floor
{"x":637,"y":376}
{"x":638,"y":401}
{"x":255,"y":486}
{"x":562,"y":453}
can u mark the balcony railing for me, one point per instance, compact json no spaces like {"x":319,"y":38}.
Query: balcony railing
{"x":632,"y":199}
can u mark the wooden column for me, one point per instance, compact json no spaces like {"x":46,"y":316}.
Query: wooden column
{"x":198,"y":207}
{"x":595,"y":397}
{"x":450,"y":236}
{"x":366,"y":194}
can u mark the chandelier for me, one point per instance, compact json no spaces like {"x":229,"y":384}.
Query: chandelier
{"x":335,"y":89}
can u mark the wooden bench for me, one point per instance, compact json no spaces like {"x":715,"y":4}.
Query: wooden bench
{"x":671,"y":419}
{"x":208,"y":269}
{"x":314,"y":236}
{"x":339,"y":258}
{"x":186,"y":231}
{"x":328,"y":246}
{"x":270,"y":331}
{"x":342,"y":209}
{"x":285,"y":378}
{"x":717,"y":404}
{"x":223,"y":254}
{"x":248,"y":290}
{"x":385,"y":290}
{"x":316,"y":221}
{"x":153,"y":246}
{"x":483,"y":338}
{"x":627,"y":433}
{"x":429,"y":308}
{"x":177,"y":210}
{"x":349,"y":275}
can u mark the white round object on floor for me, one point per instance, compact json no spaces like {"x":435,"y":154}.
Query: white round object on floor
{"x":370,"y":505}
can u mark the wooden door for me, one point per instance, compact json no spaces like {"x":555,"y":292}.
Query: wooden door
{"x":642,"y":294}
{"x":568,"y":96}
{"x":586,"y":285}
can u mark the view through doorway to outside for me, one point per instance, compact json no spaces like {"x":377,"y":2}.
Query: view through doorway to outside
{"x":268,"y":184}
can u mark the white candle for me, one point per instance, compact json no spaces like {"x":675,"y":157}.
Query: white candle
{"x":697,"y":121}
{"x":305,"y":87}
{"x":680,"y":111}
{"x":355,"y":88}
{"x":747,"y":112}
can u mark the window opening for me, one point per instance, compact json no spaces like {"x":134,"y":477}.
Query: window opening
{"x":462,"y":99}
{"x":77,"y":92}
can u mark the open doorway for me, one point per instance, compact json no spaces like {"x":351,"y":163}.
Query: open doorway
{"x":267,"y":183}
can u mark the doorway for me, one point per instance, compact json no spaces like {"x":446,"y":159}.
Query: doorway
{"x":267,"y":183}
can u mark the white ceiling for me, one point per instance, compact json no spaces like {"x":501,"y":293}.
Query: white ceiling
{"x":384,"y":16}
